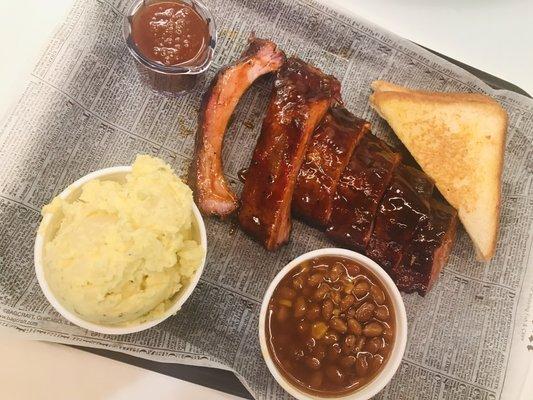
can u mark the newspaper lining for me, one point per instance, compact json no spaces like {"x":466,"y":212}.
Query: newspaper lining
{"x":84,"y":108}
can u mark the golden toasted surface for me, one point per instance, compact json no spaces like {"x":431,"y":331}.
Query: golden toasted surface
{"x":458,"y":139}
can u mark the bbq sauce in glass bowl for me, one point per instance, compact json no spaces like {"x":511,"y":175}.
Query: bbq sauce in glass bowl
{"x":170,"y":33}
{"x":172,"y":42}
{"x":330,"y":326}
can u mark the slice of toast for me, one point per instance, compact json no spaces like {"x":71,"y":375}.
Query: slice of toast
{"x":459,"y":140}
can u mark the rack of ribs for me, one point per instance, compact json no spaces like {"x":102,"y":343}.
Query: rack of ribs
{"x":428,"y":250}
{"x":331,"y":147}
{"x":359,"y":192}
{"x":212,"y":192}
{"x":381,"y":207}
{"x":403,"y":209}
{"x":315,"y":158}
{"x":301,"y":97}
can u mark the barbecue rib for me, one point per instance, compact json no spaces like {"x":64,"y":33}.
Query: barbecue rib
{"x":341,"y":177}
{"x":359,"y":192}
{"x":410,"y":234}
{"x":301,"y":97}
{"x":331,"y":147}
{"x":212,"y":192}
{"x":405,"y":205}
{"x":427,"y":251}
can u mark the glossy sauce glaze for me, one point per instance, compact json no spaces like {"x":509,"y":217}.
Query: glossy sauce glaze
{"x":241,"y":174}
{"x":330,"y":326}
{"x":427,"y":251}
{"x":331,"y":147}
{"x":212,"y":191}
{"x":301,"y":97}
{"x":403,"y":208}
{"x":359,"y":192}
{"x":170,"y":33}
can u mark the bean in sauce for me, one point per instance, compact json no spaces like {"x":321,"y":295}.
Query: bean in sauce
{"x":330,"y":326}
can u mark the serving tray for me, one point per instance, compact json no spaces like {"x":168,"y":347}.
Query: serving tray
{"x":226,"y":381}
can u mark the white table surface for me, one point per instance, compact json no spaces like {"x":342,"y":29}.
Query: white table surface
{"x":491,"y":35}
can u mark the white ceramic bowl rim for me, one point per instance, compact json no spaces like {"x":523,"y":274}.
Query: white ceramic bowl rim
{"x":183,"y":295}
{"x":395,"y":357}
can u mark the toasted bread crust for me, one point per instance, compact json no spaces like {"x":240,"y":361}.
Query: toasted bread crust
{"x":475,"y":191}
{"x":383,"y":86}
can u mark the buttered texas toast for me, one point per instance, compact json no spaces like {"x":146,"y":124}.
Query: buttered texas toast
{"x":459,"y":140}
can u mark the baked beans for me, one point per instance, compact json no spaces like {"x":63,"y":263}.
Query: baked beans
{"x":330,"y":326}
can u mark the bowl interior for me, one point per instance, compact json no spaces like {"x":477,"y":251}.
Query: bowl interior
{"x":49,"y":226}
{"x":395,"y":357}
{"x":183,"y":69}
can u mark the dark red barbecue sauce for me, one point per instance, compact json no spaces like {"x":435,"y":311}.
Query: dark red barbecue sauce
{"x":170,"y":33}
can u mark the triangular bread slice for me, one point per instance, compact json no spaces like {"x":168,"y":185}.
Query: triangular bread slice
{"x":459,"y":140}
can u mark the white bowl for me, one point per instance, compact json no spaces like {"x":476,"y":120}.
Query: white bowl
{"x":395,"y":357}
{"x":49,"y":223}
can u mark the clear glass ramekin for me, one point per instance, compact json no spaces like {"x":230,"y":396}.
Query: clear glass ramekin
{"x":171,"y":79}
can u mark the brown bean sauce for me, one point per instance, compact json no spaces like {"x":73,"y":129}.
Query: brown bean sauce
{"x":170,"y":33}
{"x":330,"y":326}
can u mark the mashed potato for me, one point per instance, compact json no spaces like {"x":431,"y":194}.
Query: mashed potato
{"x":123,"y":250}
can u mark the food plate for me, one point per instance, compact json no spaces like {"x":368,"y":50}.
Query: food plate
{"x":226,"y":381}
{"x":92,"y":127}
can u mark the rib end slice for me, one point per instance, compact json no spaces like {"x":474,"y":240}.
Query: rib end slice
{"x":213,"y":194}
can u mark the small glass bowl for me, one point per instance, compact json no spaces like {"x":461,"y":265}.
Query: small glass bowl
{"x":175,"y":79}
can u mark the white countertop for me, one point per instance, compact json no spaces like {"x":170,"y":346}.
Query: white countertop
{"x":490,"y":35}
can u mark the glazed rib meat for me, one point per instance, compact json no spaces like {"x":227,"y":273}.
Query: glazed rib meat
{"x":404,"y":207}
{"x":212,"y":192}
{"x":331,"y":147}
{"x":359,"y":192}
{"x":427,"y":251}
{"x":302,"y":95}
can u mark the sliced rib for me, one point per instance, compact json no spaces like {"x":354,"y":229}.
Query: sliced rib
{"x":212,"y":192}
{"x":301,"y":97}
{"x":331,"y":147}
{"x":404,"y":207}
{"x":427,"y":251}
{"x":359,"y":192}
